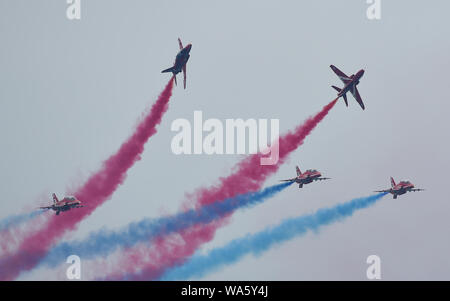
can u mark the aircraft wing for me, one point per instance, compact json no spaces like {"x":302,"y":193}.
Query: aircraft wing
{"x":344,"y":78}
{"x":179,"y":43}
{"x":356,"y":95}
{"x":321,"y":179}
{"x":48,"y":207}
{"x":417,"y":189}
{"x":289,"y":180}
{"x":386,"y":190}
{"x":184,"y":74}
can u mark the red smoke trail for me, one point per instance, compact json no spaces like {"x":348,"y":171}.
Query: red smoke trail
{"x":145,"y":263}
{"x":99,"y":188}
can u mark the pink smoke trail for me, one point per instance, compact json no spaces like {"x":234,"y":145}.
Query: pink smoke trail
{"x":98,"y":188}
{"x":145,"y":263}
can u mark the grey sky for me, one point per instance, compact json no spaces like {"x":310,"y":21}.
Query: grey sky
{"x":71,"y":92}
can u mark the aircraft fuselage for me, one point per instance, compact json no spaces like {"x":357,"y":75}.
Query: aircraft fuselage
{"x":355,"y":81}
{"x":401,"y":189}
{"x":65,"y":206}
{"x":181,"y":59}
{"x":307,"y":178}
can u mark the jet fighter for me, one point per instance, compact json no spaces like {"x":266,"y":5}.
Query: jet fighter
{"x":65,"y":204}
{"x":305,"y":178}
{"x":350,"y":83}
{"x":401,"y":188}
{"x":180,"y":62}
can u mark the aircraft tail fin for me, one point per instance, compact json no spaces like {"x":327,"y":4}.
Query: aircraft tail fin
{"x":298,"y":170}
{"x":175,"y":78}
{"x":55,"y":198}
{"x":392,"y":182}
{"x":336,"y":88}
{"x":344,"y":96}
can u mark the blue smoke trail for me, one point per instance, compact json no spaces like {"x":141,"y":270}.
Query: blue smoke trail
{"x":199,"y":265}
{"x":106,"y":241}
{"x":14,"y":220}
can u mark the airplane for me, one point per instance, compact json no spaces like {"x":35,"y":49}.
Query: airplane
{"x":180,"y":62}
{"x":305,"y":178}
{"x":64,"y":205}
{"x":400,"y":188}
{"x":350,"y":83}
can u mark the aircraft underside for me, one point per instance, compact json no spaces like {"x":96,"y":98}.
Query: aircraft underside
{"x":303,"y":182}
{"x":62,"y":209}
{"x":397,"y":193}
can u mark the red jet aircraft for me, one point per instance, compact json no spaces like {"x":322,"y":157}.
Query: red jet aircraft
{"x":400,"y":188}
{"x":350,"y":83}
{"x":305,"y":178}
{"x":180,"y":62}
{"x":66,"y":204}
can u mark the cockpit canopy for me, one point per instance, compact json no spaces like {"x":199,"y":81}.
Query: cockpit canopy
{"x":406,"y":182}
{"x":70,"y":198}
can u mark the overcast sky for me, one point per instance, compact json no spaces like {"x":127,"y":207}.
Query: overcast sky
{"x":72,"y":91}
